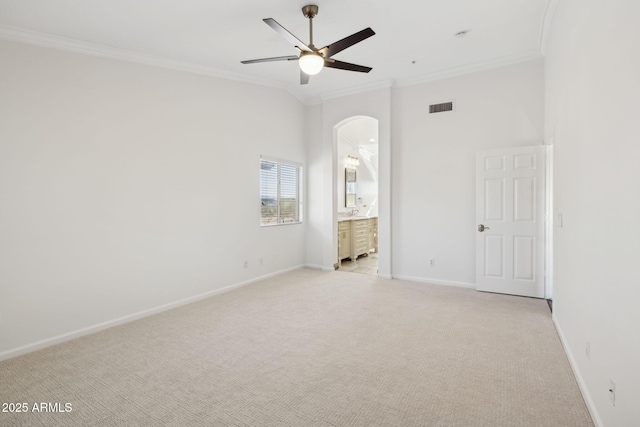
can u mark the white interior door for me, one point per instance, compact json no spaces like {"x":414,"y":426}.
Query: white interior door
{"x":510,"y":189}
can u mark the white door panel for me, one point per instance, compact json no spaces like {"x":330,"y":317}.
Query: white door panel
{"x":510,"y":207}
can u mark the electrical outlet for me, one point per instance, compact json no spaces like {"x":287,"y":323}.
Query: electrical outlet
{"x":432,"y":262}
{"x":587,"y":350}
{"x":246,"y":264}
{"x":612,"y":392}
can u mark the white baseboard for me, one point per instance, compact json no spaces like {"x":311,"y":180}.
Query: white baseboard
{"x":38,"y":345}
{"x":436,"y":281}
{"x":315,"y":266}
{"x":576,"y":372}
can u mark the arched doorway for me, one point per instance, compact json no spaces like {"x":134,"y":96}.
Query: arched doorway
{"x":357,"y":189}
{"x":374,"y":104}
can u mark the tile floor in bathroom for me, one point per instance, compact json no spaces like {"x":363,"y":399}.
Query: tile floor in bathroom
{"x":363,"y":265}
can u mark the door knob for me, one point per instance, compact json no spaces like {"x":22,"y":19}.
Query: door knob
{"x":481,"y":228}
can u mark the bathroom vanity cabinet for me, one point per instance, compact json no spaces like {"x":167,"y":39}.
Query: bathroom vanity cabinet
{"x":357,"y":236}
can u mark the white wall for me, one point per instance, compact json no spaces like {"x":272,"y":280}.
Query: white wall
{"x":592,"y":99}
{"x":433,"y":163}
{"x":314,"y":187}
{"x":124,"y":187}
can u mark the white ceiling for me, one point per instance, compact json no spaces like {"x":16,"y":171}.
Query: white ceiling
{"x":212,"y":37}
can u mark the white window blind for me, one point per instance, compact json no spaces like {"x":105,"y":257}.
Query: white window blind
{"x":280,"y":198}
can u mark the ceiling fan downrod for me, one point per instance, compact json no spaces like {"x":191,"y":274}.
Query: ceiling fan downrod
{"x":310,"y":11}
{"x":311,"y":59}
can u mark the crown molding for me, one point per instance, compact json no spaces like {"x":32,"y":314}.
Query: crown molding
{"x":471,"y":68}
{"x":353,"y":90}
{"x":93,"y":49}
{"x":431,"y":77}
{"x":549,"y":13}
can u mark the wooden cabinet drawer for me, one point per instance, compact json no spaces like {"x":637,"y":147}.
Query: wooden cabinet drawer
{"x":362,"y":240}
{"x":360,"y":233}
{"x":361,"y":224}
{"x":344,"y":226}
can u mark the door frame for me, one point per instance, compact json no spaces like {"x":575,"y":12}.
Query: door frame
{"x":549,"y":222}
{"x":375,"y":103}
{"x":538,"y":228}
{"x":385,"y":256}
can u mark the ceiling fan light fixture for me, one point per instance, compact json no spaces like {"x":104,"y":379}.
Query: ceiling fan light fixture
{"x":311,"y":63}
{"x":311,"y":59}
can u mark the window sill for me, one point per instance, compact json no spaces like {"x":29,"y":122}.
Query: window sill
{"x":280,"y":224}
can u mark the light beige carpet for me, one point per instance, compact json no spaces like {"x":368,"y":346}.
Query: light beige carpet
{"x":311,"y":348}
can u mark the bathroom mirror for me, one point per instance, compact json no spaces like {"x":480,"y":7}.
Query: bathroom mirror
{"x":349,"y":188}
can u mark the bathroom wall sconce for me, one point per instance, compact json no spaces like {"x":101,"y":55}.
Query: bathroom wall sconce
{"x":351,"y":162}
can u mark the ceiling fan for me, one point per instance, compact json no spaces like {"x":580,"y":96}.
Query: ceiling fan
{"x":312,"y":59}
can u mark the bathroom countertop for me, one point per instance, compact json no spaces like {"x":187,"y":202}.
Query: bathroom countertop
{"x":354,"y":218}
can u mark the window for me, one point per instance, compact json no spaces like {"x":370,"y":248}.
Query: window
{"x":280,"y":192}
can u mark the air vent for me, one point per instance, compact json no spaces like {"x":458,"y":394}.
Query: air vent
{"x":440,"y":108}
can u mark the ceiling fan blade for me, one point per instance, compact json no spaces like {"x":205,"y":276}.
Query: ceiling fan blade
{"x":346,"y":42}
{"x":347,"y":66}
{"x":304,"y":78}
{"x":287,"y":35}
{"x":275,"y":58}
